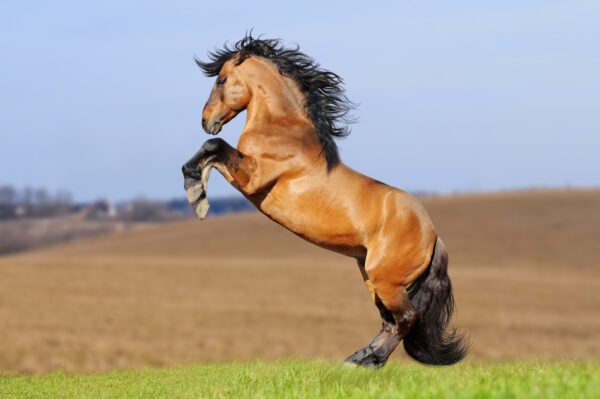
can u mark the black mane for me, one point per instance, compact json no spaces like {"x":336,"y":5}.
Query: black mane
{"x":326,"y":102}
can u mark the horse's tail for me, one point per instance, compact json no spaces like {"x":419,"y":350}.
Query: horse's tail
{"x":430,"y":340}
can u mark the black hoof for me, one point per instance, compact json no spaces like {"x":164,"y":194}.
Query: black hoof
{"x":366,"y":357}
{"x":359,"y":355}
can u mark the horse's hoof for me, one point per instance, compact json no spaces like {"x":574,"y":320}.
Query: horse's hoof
{"x":201,"y":208}
{"x":364,"y":358}
{"x":371,"y":361}
{"x":357,"y":356}
{"x":195,"y":192}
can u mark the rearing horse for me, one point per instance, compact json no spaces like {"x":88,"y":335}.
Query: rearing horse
{"x":287,"y":164}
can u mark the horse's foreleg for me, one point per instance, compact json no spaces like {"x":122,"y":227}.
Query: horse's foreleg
{"x":214,"y":153}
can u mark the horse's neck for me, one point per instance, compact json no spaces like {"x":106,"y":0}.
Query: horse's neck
{"x":282,"y":115}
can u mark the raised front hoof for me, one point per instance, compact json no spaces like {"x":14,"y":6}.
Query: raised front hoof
{"x":201,"y":207}
{"x":196,"y":193}
{"x":365,"y":358}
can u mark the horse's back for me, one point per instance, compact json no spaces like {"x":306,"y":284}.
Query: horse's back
{"x":388,"y":209}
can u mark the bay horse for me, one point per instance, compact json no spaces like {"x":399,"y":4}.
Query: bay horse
{"x":287,"y":164}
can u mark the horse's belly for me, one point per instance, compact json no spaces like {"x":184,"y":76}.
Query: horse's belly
{"x":324,"y":223}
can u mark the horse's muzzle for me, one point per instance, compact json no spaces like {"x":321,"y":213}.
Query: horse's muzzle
{"x":212,"y":127}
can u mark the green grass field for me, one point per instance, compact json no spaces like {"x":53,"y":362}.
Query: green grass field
{"x":320,"y":379}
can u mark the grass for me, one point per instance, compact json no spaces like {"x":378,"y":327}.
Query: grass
{"x":320,"y":379}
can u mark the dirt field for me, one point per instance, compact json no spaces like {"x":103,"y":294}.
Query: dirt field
{"x":24,"y":234}
{"x":525,"y":267}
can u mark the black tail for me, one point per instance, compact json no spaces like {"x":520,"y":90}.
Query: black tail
{"x":430,"y":341}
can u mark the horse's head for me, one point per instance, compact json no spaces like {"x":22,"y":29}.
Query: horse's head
{"x":229,"y":96}
{"x":286,"y":84}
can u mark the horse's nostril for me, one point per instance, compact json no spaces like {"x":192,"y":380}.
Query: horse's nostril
{"x":213,"y":126}
{"x":203,"y":123}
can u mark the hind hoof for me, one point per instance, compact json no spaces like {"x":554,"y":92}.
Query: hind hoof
{"x":365,"y":357}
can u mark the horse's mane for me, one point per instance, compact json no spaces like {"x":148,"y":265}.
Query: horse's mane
{"x":326,"y":103}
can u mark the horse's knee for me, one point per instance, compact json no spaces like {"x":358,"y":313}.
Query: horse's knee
{"x":212,"y":146}
{"x":207,"y":152}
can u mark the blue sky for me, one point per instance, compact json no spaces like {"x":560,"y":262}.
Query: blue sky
{"x":103,"y":99}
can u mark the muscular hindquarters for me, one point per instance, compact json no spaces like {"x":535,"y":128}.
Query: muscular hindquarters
{"x":400,"y":250}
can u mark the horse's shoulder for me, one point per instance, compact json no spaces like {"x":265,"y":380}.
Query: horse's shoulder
{"x":249,"y":142}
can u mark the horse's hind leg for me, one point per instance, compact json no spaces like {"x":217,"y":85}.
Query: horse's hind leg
{"x":405,"y":315}
{"x":397,"y":313}
{"x":365,"y":355}
{"x":382,"y":346}
{"x":387,"y":324}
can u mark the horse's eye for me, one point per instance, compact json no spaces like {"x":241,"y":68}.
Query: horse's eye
{"x":221,"y":81}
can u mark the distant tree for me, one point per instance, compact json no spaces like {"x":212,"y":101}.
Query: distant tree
{"x":8,"y":195}
{"x":41,"y":197}
{"x":31,"y":202}
{"x":64,"y":198}
{"x":27,"y":196}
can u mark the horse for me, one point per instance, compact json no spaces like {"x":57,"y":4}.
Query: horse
{"x":287,"y":164}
